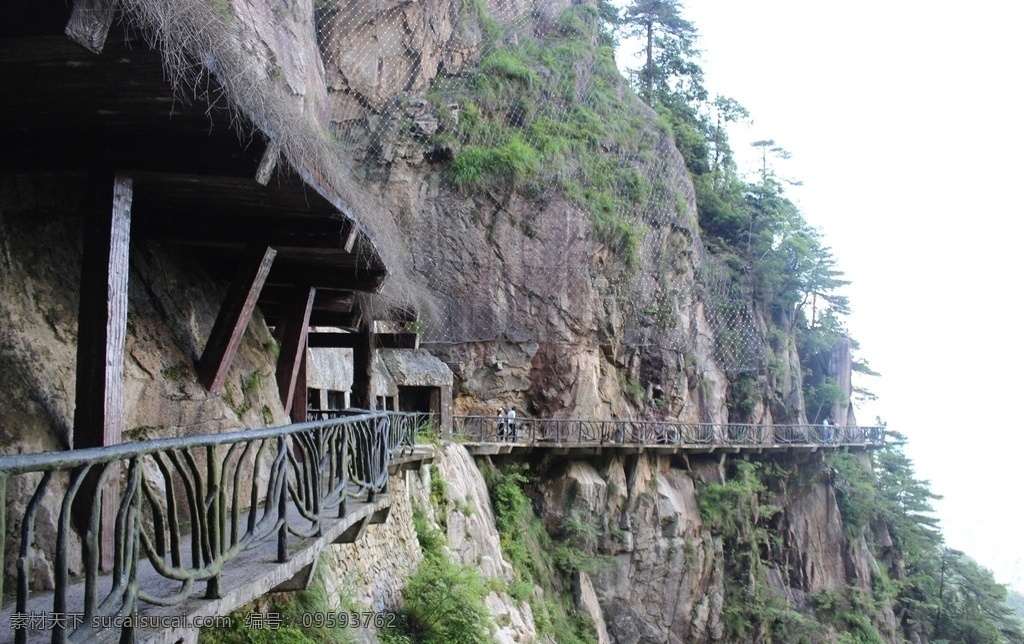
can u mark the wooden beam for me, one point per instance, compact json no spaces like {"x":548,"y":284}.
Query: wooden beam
{"x":327,"y":299}
{"x":275,"y":314}
{"x":334,"y":340}
{"x":90,"y":22}
{"x":233,"y":318}
{"x":292,"y":334}
{"x":341,"y":279}
{"x":102,"y":322}
{"x":102,"y":326}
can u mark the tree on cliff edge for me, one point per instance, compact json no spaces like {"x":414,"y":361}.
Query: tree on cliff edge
{"x":669,"y":58}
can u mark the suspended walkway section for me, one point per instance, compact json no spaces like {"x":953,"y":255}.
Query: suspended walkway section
{"x":489,"y":435}
{"x":186,"y":530}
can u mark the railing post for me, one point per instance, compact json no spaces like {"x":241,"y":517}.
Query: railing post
{"x":317,"y":449}
{"x":214,"y":517}
{"x":132,"y":536}
{"x":345,"y":431}
{"x":282,"y":505}
{"x":3,"y":527}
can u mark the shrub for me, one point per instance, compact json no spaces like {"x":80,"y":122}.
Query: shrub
{"x":510,"y":165}
{"x":444,"y":603}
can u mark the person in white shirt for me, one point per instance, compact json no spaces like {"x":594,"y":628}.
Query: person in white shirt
{"x":512,"y":423}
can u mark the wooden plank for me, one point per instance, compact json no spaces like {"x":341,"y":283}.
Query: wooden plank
{"x":292,"y":334}
{"x":233,"y":318}
{"x":90,"y":22}
{"x":102,"y":327}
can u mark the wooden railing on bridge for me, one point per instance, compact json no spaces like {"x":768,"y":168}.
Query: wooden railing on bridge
{"x":551,"y":432}
{"x":186,"y":508}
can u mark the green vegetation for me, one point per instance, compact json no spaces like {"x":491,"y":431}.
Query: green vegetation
{"x":429,"y":433}
{"x":735,"y":508}
{"x":141,"y":433}
{"x":177,"y":372}
{"x":938,"y":592}
{"x":570,"y":132}
{"x":539,"y":560}
{"x":444,"y":601}
{"x":775,"y":261}
{"x":479,"y":167}
{"x":740,"y":512}
{"x":250,"y":386}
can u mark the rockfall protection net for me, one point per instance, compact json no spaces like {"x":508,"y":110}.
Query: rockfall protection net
{"x":476,"y":75}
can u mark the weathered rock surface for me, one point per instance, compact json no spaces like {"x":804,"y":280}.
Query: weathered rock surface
{"x":664,"y":577}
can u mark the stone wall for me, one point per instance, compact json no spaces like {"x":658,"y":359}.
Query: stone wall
{"x":372,"y":571}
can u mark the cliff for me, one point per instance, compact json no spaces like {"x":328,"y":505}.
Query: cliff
{"x":633,"y":548}
{"x":541,"y":223}
{"x":549,"y":215}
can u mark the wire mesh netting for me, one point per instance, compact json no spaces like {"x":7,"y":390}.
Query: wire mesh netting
{"x":536,"y":82}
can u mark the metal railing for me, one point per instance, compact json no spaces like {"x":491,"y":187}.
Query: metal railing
{"x":187,"y":505}
{"x":549,"y":431}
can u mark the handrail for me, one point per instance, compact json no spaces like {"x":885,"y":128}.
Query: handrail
{"x":581,"y":431}
{"x":189,"y":505}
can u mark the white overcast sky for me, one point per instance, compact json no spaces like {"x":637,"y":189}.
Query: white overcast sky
{"x":903,"y":118}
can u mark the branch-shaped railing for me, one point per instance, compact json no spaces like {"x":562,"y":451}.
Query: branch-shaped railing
{"x":187,"y":505}
{"x":548,"y":431}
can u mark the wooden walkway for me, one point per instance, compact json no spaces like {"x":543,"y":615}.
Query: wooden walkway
{"x":252,"y":574}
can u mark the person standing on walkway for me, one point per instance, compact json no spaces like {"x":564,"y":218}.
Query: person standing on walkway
{"x":501,"y":423}
{"x":826,"y":432}
{"x":512,"y":422}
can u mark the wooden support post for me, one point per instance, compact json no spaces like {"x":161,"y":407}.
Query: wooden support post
{"x":300,"y":401}
{"x":362,"y":367}
{"x":233,"y":318}
{"x":102,"y":326}
{"x":292,"y":334}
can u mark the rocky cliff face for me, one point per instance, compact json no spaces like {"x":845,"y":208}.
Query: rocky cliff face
{"x":673,"y":571}
{"x":532,"y":307}
{"x":535,"y":302}
{"x":705,"y":549}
